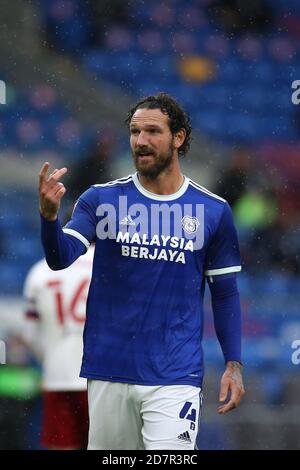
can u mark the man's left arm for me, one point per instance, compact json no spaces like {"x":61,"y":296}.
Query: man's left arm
{"x":227,"y":321}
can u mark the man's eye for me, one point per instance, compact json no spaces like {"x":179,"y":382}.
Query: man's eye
{"x":134,"y":131}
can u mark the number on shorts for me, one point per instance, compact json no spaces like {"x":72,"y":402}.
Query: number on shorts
{"x":185,"y":410}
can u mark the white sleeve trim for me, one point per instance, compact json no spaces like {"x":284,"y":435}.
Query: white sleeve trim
{"x":216,"y":272}
{"x":70,"y":231}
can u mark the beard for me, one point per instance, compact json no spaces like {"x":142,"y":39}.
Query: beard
{"x":158,"y":163}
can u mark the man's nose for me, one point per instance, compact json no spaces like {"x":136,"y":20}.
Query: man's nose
{"x":142,"y":139}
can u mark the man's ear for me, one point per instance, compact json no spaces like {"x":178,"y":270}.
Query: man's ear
{"x":179,"y":138}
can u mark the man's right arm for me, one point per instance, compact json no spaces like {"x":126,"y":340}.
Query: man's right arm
{"x":61,"y":249}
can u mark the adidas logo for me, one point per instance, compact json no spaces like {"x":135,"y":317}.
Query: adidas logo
{"x":127,"y":221}
{"x":185,"y":436}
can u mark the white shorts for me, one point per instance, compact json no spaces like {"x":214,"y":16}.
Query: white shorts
{"x":139,"y":417}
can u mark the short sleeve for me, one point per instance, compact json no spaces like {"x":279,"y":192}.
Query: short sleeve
{"x":29,"y":294}
{"x":223,"y":255}
{"x":31,"y":330}
{"x":83,"y":221}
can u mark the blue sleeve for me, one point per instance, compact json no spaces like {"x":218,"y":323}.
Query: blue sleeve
{"x":63,"y":246}
{"x":223,"y":254}
{"x":61,"y":250}
{"x":227,"y":315}
{"x":83,"y":222}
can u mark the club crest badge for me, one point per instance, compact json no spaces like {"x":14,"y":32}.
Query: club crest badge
{"x":190,"y":224}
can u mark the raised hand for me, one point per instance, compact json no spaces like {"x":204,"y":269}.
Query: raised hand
{"x":51,"y":191}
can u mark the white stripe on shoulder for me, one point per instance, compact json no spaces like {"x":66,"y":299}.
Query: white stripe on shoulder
{"x":118,"y":181}
{"x":216,"y":272}
{"x":70,"y":231}
{"x":206,"y":191}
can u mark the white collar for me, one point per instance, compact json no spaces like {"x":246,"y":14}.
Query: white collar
{"x":160,"y":197}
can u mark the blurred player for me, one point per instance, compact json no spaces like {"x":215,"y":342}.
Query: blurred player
{"x":158,"y":237}
{"x":56,"y":305}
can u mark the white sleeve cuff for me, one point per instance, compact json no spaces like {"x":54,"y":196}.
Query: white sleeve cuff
{"x":216,"y":272}
{"x":70,"y":231}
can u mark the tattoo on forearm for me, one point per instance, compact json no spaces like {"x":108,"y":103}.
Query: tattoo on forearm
{"x":233,"y":370}
{"x":234,"y":365}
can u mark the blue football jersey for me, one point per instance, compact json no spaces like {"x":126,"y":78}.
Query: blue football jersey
{"x":144,"y":319}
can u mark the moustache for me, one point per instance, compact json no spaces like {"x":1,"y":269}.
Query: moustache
{"x":144,"y":151}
